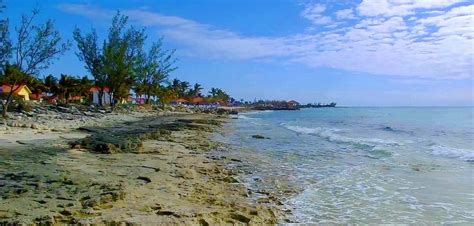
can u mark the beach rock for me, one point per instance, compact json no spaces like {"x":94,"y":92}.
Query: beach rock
{"x":34,"y":126}
{"x":29,"y":114}
{"x":85,"y":129}
{"x":105,"y":148}
{"x":65,"y":213}
{"x":230,"y":180}
{"x":63,"y":109}
{"x":203,"y":222}
{"x":221,"y":111}
{"x":259,"y":137}
{"x":104,"y":198}
{"x":88,"y":114}
{"x":167,"y":213}
{"x":145,"y":179}
{"x":240,"y":217}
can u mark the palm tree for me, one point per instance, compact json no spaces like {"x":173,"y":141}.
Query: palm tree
{"x":84,"y":86}
{"x":51,"y":84}
{"x":175,"y":84}
{"x":195,"y":91}
{"x":216,"y":94}
{"x":180,"y":87}
{"x":166,"y":94}
{"x":68,"y":86}
{"x":184,"y":88}
{"x":213,"y":92}
{"x":36,"y":86}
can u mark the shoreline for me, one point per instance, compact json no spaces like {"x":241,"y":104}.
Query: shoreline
{"x":175,"y":173}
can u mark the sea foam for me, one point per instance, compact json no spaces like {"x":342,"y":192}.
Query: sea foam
{"x":450,"y":152}
{"x":243,"y":117}
{"x":256,"y":112}
{"x":331,"y":135}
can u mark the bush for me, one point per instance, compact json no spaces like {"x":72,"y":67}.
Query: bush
{"x":23,"y":106}
{"x":75,"y":102}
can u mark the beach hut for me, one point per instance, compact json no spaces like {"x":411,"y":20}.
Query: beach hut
{"x":95,"y":95}
{"x":198,"y":101}
{"x":223,"y":103}
{"x":37,"y":96}
{"x":293,"y":103}
{"x":180,"y":101}
{"x":76,"y":98}
{"x":22,"y":91}
{"x":126,"y":100}
{"x":139,"y":100}
{"x":52,"y":99}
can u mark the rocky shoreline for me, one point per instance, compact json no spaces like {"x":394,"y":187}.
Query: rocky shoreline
{"x":138,"y":167}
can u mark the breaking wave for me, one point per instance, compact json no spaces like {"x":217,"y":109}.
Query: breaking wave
{"x":332,"y":135}
{"x":256,"y":112}
{"x":244,"y":117}
{"x":450,"y":152}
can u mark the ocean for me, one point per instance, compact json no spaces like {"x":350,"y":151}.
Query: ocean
{"x":366,"y":164}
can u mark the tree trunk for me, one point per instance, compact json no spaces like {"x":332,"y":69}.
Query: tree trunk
{"x":7,"y":104}
{"x":8,"y":100}
{"x":4,"y":110}
{"x":101,"y":95}
{"x":112,"y":100}
{"x":147,"y":98}
{"x":67,"y":98}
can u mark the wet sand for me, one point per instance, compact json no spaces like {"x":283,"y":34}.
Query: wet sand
{"x":139,"y":168}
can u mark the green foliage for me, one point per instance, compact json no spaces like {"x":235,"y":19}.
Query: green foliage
{"x":121,"y":56}
{"x":51,"y":84}
{"x":13,"y":76}
{"x":37,"y":45}
{"x":122,"y":63}
{"x":69,"y":86}
{"x":5,"y":42}
{"x":195,"y":91}
{"x":92,"y":55}
{"x":153,"y":68}
{"x":180,"y":87}
{"x":23,"y":106}
{"x":166,"y":94}
{"x":217,"y":94}
{"x":36,"y":85}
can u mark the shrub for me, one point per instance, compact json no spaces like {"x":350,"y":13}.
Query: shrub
{"x":23,"y":106}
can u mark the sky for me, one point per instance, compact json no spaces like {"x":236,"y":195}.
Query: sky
{"x":354,"y":52}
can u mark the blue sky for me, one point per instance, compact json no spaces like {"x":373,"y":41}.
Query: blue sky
{"x":357,"y":53}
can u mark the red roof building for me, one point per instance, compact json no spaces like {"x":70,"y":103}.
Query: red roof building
{"x":20,"y":90}
{"x":95,"y":89}
{"x":180,"y":101}
{"x":293,"y":103}
{"x":198,"y":100}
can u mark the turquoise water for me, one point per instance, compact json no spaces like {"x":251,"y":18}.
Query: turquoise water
{"x":367,"y":165}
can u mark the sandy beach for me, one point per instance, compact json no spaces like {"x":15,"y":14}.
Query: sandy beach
{"x":136,"y":167}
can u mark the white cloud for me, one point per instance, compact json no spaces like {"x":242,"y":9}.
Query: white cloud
{"x":400,"y":7}
{"x":200,"y":38}
{"x":345,"y":14}
{"x":314,"y":9}
{"x":314,"y":14}
{"x":434,"y":46}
